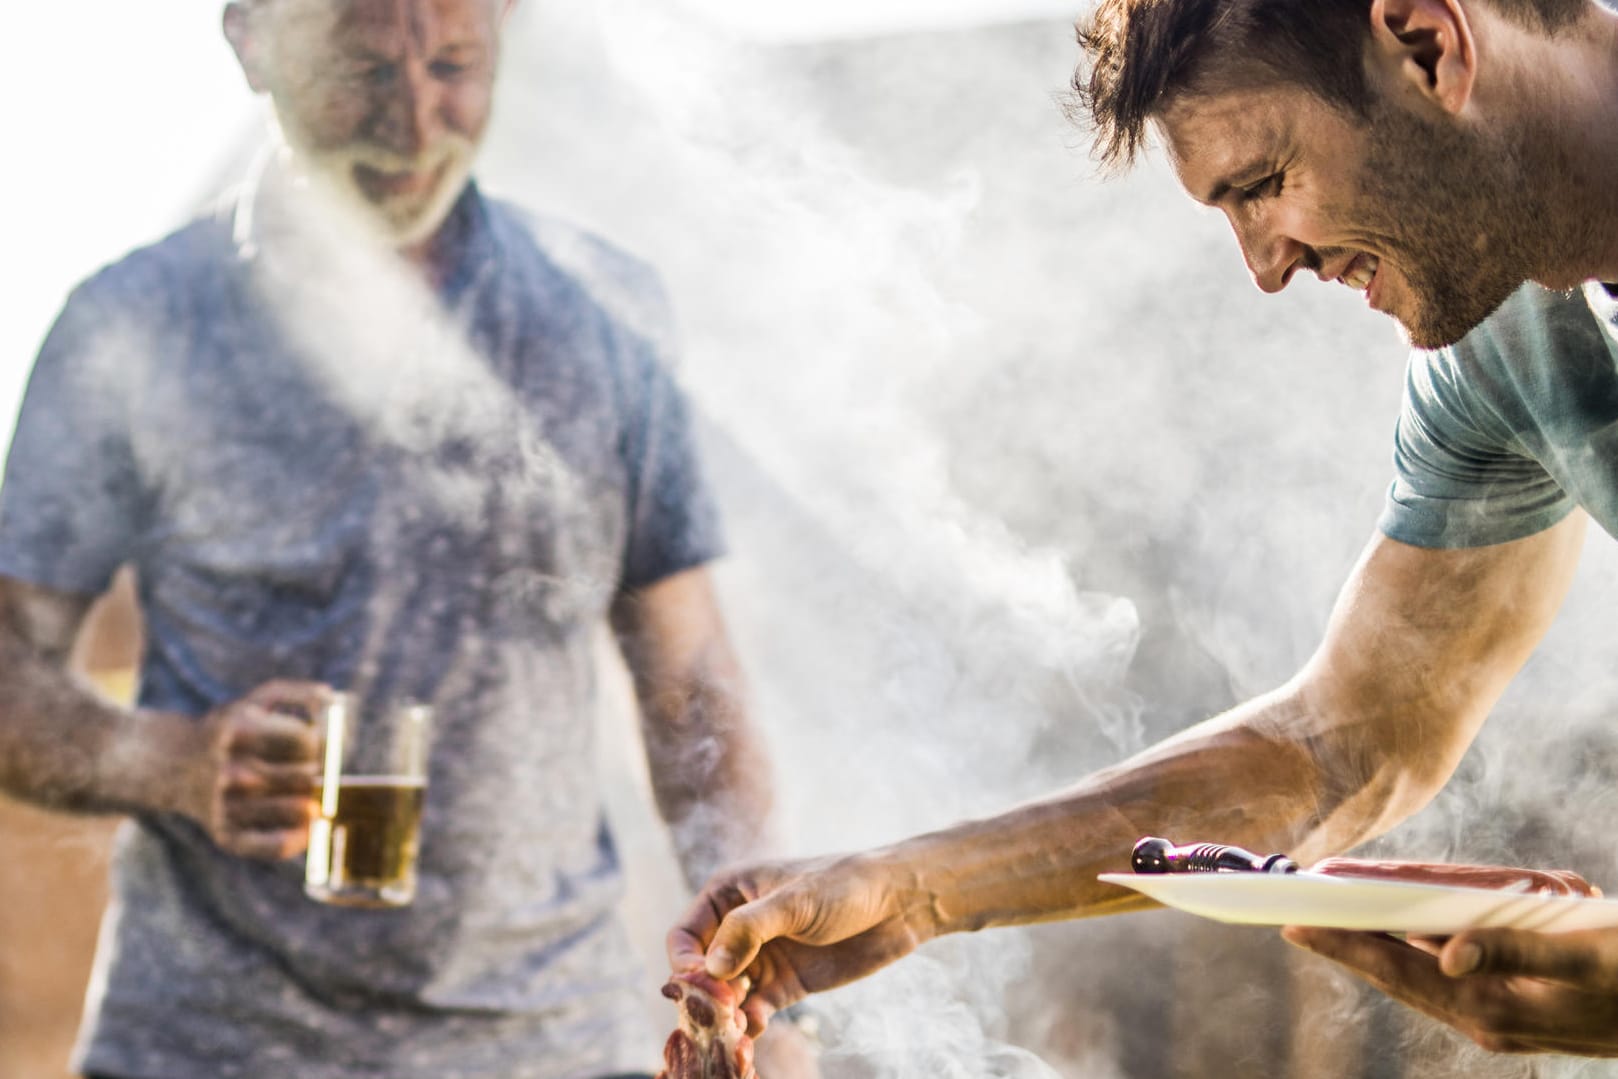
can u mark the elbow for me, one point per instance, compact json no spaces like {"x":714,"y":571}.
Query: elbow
{"x":1398,"y":790}
{"x":1376,"y":764}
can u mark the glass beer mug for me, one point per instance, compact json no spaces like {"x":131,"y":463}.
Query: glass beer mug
{"x":373,"y":784}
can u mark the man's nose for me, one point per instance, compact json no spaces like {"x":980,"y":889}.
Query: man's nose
{"x":409,"y":111}
{"x":1271,"y":258}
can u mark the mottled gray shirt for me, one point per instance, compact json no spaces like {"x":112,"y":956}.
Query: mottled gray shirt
{"x":1504,"y":433}
{"x":321,"y":469}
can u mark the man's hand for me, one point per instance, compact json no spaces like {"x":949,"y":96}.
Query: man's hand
{"x":795,"y":928}
{"x":254,"y":789}
{"x":1509,"y":990}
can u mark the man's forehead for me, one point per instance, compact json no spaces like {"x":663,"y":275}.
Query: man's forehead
{"x":360,"y":15}
{"x":1215,"y":138}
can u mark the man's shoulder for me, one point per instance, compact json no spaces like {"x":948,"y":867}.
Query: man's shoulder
{"x":150,"y":274}
{"x":1537,"y":355}
{"x":622,"y":285}
{"x":573,"y":249}
{"x":1535,"y":325}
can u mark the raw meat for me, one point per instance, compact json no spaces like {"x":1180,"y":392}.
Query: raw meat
{"x":711,"y":1039}
{"x":1495,"y":877}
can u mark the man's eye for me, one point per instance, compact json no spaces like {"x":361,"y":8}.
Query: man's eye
{"x":373,"y":74}
{"x":448,"y":69}
{"x":1268,"y":187}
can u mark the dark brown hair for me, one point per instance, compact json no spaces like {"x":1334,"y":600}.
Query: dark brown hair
{"x":1141,"y":53}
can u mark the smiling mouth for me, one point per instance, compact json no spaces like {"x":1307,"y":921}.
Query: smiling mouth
{"x":1361,"y":272}
{"x":378,"y":184}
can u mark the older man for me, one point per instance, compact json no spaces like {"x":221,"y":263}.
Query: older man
{"x":366,"y":429}
{"x":1434,"y":155}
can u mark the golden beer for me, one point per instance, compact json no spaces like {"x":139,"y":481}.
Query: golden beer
{"x":362,"y":849}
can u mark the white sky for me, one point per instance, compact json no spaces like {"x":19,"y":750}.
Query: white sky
{"x":116,"y":114}
{"x":782,"y":20}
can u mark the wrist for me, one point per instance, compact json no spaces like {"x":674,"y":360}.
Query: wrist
{"x":910,"y":887}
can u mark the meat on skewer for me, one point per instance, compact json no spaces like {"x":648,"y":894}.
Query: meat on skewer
{"x":1499,"y":878}
{"x":711,"y":1039}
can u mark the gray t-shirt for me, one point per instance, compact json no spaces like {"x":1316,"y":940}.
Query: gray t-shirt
{"x":321,"y":472}
{"x":1504,"y":433}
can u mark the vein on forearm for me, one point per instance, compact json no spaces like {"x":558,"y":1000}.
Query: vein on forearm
{"x":1268,"y":776}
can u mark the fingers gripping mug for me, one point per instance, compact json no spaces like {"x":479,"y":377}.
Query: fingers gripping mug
{"x":373,"y":784}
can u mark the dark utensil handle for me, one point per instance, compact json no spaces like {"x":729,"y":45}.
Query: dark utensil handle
{"x":1154,"y":855}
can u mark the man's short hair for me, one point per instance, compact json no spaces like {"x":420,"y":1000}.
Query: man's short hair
{"x":1141,"y":53}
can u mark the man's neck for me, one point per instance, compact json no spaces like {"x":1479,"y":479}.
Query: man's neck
{"x":1572,"y":102}
{"x":441,"y":254}
{"x":434,"y":257}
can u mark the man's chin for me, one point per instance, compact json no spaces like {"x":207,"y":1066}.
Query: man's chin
{"x":1424,"y":335}
{"x":1442,"y":324}
{"x":416,"y":223}
{"x":412,"y":229}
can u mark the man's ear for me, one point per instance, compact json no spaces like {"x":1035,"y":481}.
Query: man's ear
{"x":1428,"y":45}
{"x":239,"y":31}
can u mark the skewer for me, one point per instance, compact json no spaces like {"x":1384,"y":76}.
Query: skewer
{"x":1154,"y":855}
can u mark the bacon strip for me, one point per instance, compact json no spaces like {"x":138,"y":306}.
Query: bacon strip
{"x":711,"y":1039}
{"x":1493,"y":877}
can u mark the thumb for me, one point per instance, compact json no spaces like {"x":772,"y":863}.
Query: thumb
{"x":1587,"y":959}
{"x":748,"y":928}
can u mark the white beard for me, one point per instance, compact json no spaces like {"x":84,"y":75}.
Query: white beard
{"x":403,"y":220}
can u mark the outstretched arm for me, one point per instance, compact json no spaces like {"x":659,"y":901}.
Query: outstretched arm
{"x":1420,"y":645}
{"x":245,"y":771}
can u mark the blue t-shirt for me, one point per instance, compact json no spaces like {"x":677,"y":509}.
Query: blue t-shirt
{"x":1504,"y":433}
{"x":321,"y":469}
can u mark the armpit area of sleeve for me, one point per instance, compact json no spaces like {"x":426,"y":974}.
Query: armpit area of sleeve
{"x":697,"y":542}
{"x":59,"y":569}
{"x":1505,"y":514}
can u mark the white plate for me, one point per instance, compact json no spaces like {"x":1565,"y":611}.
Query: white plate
{"x":1341,"y":903}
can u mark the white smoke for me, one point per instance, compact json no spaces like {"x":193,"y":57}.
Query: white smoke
{"x":1021,"y":472}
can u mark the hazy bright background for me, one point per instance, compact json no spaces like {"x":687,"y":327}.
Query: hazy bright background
{"x":118,"y":114}
{"x":1020,"y":470}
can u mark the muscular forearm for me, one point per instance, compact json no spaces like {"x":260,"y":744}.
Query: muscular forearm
{"x":1261,"y":776}
{"x":64,"y":747}
{"x":1420,"y":646}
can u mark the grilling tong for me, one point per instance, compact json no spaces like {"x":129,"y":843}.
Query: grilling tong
{"x":1154,"y":855}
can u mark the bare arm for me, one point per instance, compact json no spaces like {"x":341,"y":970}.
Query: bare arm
{"x":61,"y":745}
{"x":710,"y":774}
{"x":1420,"y":646}
{"x":244,"y":771}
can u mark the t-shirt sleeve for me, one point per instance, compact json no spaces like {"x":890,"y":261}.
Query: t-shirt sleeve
{"x":69,"y":499}
{"x":673,"y":517}
{"x":1462,"y":477}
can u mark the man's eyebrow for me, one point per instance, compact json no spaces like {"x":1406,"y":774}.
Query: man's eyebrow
{"x":352,"y":55}
{"x":1235,"y":178}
